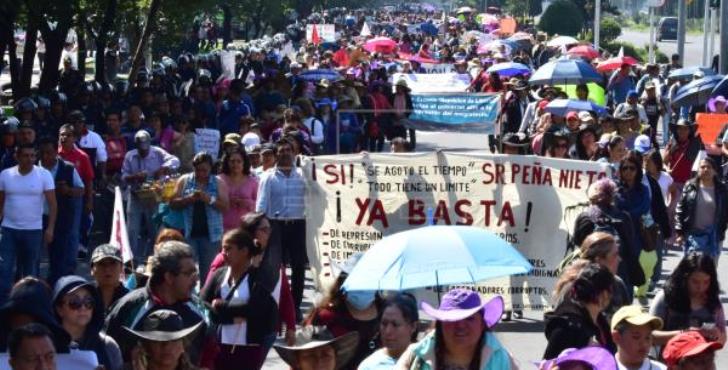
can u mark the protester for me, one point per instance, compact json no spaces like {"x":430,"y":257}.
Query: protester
{"x":242,"y":307}
{"x":173,"y":278}
{"x":79,"y":310}
{"x":690,"y":300}
{"x":23,"y":189}
{"x":318,"y":349}
{"x":397,"y":330}
{"x":701,"y":215}
{"x":679,"y":156}
{"x":162,"y":337}
{"x":580,"y":317}
{"x":142,"y":164}
{"x":63,"y":250}
{"x":281,"y":198}
{"x":242,"y":188}
{"x":690,"y":351}
{"x":30,"y":347}
{"x":106,"y":269}
{"x":632,"y":333}
{"x":462,"y":336}
{"x":587,"y":358}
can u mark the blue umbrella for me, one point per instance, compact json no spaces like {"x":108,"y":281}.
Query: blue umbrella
{"x":696,"y":92}
{"x":688,"y":72}
{"x":434,"y":256}
{"x":429,"y":28}
{"x":315,"y":75}
{"x":509,"y":69}
{"x":721,"y":88}
{"x":560,"y":107}
{"x":565,"y":72}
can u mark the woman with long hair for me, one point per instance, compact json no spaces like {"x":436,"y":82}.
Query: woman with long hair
{"x":580,"y":318}
{"x":700,"y":217}
{"x":463,"y":337}
{"x":690,"y":300}
{"x":241,"y":305}
{"x":242,"y":187}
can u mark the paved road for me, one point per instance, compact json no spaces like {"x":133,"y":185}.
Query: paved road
{"x":693,"y":45}
{"x":523,"y":337}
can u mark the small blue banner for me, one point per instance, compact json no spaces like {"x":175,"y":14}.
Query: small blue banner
{"x":466,"y":112}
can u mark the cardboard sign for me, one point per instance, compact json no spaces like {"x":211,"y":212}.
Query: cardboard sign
{"x":709,"y":125}
{"x":208,"y":140}
{"x":326,"y":32}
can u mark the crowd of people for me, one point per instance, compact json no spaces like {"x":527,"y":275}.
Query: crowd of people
{"x":212,"y":236}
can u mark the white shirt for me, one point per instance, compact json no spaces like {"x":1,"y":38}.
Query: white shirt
{"x":647,"y":364}
{"x":24,"y":197}
{"x":316,"y":128}
{"x":93,"y":140}
{"x":235,"y":333}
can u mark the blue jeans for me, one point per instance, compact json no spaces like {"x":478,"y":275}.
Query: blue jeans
{"x":136,"y":214}
{"x":63,"y":250}
{"x":20,"y":254}
{"x":205,"y":251}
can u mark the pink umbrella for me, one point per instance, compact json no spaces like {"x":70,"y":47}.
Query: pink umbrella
{"x":380,"y":44}
{"x":615,"y":63}
{"x":585,"y":51}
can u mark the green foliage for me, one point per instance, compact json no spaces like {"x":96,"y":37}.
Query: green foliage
{"x":535,"y":8}
{"x":641,"y":54}
{"x":609,"y":30}
{"x":553,"y":20}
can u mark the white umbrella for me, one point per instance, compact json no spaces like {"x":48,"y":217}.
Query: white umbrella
{"x":465,"y":9}
{"x":562,"y":41}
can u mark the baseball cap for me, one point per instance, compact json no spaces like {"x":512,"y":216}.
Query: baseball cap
{"x":687,"y":344}
{"x":572,"y":115}
{"x":585,"y":116}
{"x":642,"y":144}
{"x":267,"y":147}
{"x":632,"y":94}
{"x":232,"y":138}
{"x":634,"y":315}
{"x":143,"y":139}
{"x":105,"y":251}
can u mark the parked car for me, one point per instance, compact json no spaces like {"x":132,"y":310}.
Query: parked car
{"x":667,"y":29}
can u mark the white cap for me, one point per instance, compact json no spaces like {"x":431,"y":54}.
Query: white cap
{"x":642,"y":144}
{"x":250,"y":140}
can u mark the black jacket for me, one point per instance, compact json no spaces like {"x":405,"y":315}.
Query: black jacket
{"x":686,"y":208}
{"x":261,"y":311}
{"x":570,"y":326}
{"x":658,"y":208}
{"x":131,"y":310}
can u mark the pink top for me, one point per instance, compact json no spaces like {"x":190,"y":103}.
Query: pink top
{"x":242,"y":200}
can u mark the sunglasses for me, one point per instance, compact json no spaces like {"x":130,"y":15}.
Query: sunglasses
{"x":76,"y":303}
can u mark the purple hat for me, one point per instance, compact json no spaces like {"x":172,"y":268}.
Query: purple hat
{"x":596,"y":357}
{"x":712,"y":101}
{"x":459,"y":304}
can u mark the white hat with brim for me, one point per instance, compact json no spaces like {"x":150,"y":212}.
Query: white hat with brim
{"x":312,"y":337}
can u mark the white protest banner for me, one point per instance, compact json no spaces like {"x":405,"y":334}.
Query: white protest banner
{"x":433,"y":83}
{"x":119,"y":234}
{"x":227,"y":62}
{"x":355,"y":200}
{"x":208,"y":140}
{"x":326,"y":32}
{"x":437,"y":67}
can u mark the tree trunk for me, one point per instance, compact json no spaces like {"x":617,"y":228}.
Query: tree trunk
{"x":81,"y":51}
{"x":15,"y":84}
{"x":26,"y":73}
{"x":54,"y":40}
{"x":102,"y":39}
{"x":227,"y":28}
{"x":140,"y":49}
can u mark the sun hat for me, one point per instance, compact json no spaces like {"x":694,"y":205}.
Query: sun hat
{"x":684,"y":122}
{"x":642,"y":144}
{"x":163,"y":326}
{"x":713,"y":101}
{"x":459,"y":304}
{"x":686,"y":344}
{"x":597,"y":358}
{"x":312,"y":337}
{"x":634,"y":315}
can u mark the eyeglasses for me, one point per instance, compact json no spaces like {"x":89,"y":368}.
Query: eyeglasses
{"x":77,"y":303}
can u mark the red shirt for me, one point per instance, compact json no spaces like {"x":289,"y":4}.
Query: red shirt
{"x":681,"y":165}
{"x":80,"y":160}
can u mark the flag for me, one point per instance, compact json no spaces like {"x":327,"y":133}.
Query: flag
{"x":621,"y":52}
{"x":315,"y":38}
{"x":365,"y":31}
{"x":119,"y":234}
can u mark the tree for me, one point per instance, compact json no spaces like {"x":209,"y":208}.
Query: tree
{"x":535,"y":8}
{"x":552,"y":21}
{"x":58,"y":16}
{"x":148,"y":27}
